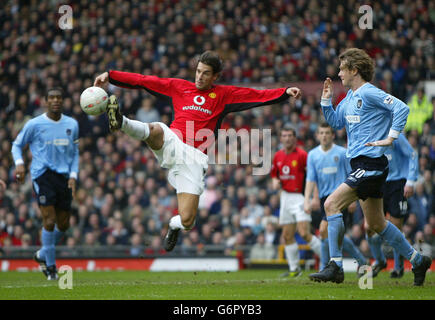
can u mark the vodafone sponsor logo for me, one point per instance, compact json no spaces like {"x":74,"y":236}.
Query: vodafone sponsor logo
{"x":197,"y":109}
{"x":199,"y":101}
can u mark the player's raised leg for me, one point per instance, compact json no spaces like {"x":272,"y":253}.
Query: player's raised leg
{"x":341,"y":198}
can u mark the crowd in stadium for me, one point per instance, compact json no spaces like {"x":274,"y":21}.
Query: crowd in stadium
{"x":123,"y":196}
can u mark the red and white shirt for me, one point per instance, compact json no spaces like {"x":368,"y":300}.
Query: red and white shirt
{"x":290,"y":169}
{"x":198,"y":114}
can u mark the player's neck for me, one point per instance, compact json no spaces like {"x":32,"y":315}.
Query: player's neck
{"x":290,"y":150}
{"x":357,"y":83}
{"x":326,"y":147}
{"x":54,"y":115}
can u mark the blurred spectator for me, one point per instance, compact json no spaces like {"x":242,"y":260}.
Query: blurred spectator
{"x":420,"y":110}
{"x":262,"y":250}
{"x":419,"y":205}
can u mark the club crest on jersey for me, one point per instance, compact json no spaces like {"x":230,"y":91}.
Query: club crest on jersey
{"x":336,"y":158}
{"x":212,"y":95}
{"x":68,"y":132}
{"x":199,"y":100}
{"x":294,"y":163}
{"x":359,"y":103}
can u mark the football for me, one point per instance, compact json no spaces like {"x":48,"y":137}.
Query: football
{"x":93,"y":101}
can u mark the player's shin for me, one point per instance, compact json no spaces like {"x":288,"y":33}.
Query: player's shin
{"x":135,"y":129}
{"x":375,"y":243}
{"x":324,"y":254}
{"x":335,"y":236}
{"x":396,"y":239}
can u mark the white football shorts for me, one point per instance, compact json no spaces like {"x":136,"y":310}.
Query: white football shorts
{"x":187,"y":165}
{"x":291,"y":208}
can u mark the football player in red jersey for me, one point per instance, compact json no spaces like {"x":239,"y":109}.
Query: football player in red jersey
{"x":199,"y":109}
{"x":288,"y":174}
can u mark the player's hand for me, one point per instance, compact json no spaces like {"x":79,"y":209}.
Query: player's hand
{"x":2,"y":185}
{"x":20,"y":173}
{"x":101,"y":80}
{"x":381,"y":143}
{"x":327,"y":89}
{"x":294,"y":92}
{"x":72,"y":186}
{"x":307,"y":207}
{"x":276,"y":184}
{"x":408,"y":191}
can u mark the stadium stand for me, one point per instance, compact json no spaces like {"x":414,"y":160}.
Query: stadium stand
{"x":123,"y":197}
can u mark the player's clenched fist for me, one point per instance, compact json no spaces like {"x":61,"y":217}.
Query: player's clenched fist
{"x":294,"y":92}
{"x":102,"y":79}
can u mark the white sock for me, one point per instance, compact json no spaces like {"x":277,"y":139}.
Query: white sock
{"x":292,"y":254}
{"x":135,"y":129}
{"x":316,"y":245}
{"x":175,"y":222}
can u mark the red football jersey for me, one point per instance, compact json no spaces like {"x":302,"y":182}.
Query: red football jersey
{"x":290,"y":169}
{"x":198,"y":114}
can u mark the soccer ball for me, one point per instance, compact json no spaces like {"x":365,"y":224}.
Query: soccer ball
{"x":94,"y":100}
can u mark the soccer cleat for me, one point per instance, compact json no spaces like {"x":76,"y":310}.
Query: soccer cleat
{"x":41,"y":262}
{"x":291,"y":274}
{"x":52,"y":273}
{"x":377,"y":267}
{"x":396,"y":274}
{"x":331,"y":272}
{"x":114,"y":114}
{"x":420,"y":271}
{"x":171,"y":239}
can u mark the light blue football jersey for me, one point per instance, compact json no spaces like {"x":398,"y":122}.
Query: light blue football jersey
{"x":368,"y":115}
{"x":54,"y":145}
{"x":328,"y":169}
{"x":403,"y":160}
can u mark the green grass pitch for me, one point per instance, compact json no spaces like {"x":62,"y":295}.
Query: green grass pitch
{"x":241,"y":285}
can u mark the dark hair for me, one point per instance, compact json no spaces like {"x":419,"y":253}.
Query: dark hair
{"x":211,"y":59}
{"x":326,"y":125}
{"x":358,"y":59}
{"x":289,"y":127}
{"x":54,"y":89}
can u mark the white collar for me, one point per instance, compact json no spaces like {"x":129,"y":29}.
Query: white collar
{"x":332,"y":147}
{"x":61,"y":116}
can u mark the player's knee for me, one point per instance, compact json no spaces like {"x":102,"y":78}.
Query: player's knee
{"x":63,"y":226}
{"x":330,"y":206}
{"x":323,"y":231}
{"x":49,"y":224}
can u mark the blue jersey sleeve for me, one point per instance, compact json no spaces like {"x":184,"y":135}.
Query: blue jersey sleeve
{"x":335,"y":118}
{"x":75,"y":164}
{"x":23,"y":138}
{"x":311,"y":169}
{"x":398,"y":108}
{"x":407,"y":150}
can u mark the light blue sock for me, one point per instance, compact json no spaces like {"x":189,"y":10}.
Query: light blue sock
{"x":352,"y":249}
{"x":395,"y":238}
{"x":335,"y":237}
{"x":375,"y":243}
{"x":324,"y":254}
{"x":57,"y":234}
{"x":398,"y":260}
{"x":48,"y":249}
